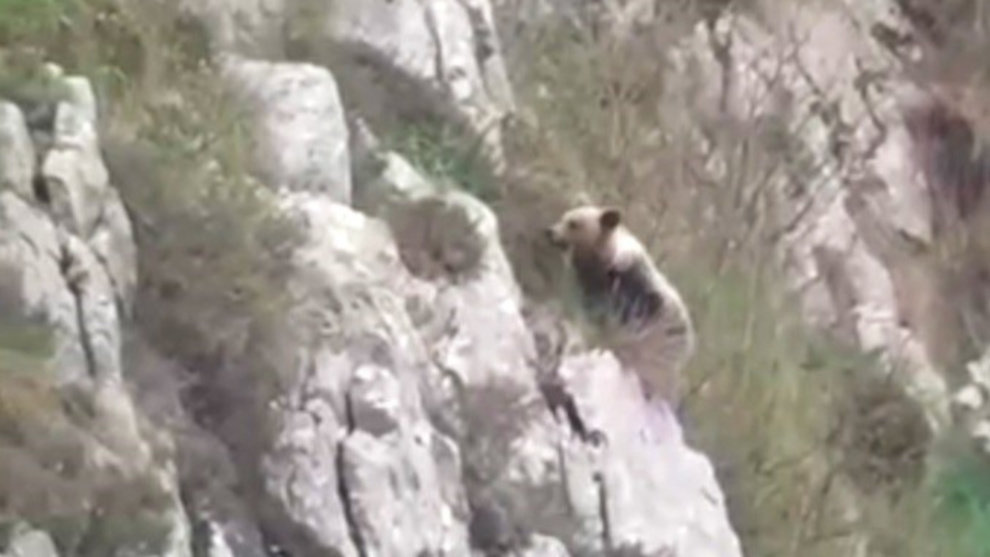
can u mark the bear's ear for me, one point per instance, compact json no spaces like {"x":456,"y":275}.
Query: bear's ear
{"x":610,"y":218}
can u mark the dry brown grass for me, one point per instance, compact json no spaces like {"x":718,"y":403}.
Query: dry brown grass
{"x":52,"y":476}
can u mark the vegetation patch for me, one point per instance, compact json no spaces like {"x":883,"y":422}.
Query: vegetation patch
{"x":819,"y":453}
{"x":444,"y":154}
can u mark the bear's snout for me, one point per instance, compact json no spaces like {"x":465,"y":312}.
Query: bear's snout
{"x":555,"y":239}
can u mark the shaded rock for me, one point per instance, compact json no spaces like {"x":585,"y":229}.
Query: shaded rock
{"x":222,"y":520}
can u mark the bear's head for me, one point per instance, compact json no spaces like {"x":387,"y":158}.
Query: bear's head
{"x":585,"y":228}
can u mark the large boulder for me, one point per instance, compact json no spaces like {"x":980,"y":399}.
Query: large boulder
{"x":299,"y":128}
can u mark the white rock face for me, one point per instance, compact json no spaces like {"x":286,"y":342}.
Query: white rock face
{"x":439,"y":57}
{"x":74,"y":172}
{"x":81,"y":197}
{"x":16,"y":152}
{"x":405,"y":58}
{"x":353,"y":463}
{"x":300,"y":130}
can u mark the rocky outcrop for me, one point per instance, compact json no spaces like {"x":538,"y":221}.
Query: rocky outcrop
{"x":68,"y":255}
{"x":299,"y":126}
{"x":395,"y":60}
{"x":441,"y":59}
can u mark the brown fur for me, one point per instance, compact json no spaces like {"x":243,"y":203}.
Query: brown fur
{"x":647,"y":322}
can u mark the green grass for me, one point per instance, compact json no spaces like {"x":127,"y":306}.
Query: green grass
{"x":961,"y":488}
{"x":443,"y":154}
{"x":25,"y":347}
{"x":24,"y":19}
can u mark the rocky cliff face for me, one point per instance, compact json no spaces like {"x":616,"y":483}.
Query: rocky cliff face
{"x":412,"y":408}
{"x":407,"y":399}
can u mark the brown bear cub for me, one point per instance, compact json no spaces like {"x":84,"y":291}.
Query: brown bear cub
{"x":624,"y":293}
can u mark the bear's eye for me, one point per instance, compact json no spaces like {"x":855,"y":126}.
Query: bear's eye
{"x":573,"y":225}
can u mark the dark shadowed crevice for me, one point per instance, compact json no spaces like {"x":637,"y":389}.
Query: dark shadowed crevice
{"x":74,"y":277}
{"x":557,"y":398}
{"x":956,"y":165}
{"x":343,"y":490}
{"x":603,"y":512}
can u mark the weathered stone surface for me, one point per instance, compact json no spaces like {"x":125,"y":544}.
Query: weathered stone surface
{"x":352,"y":463}
{"x":30,"y":250}
{"x":16,"y":152}
{"x":438,"y":57}
{"x":647,"y":510}
{"x":77,"y":180}
{"x":301,"y":135}
{"x":82,"y":200}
